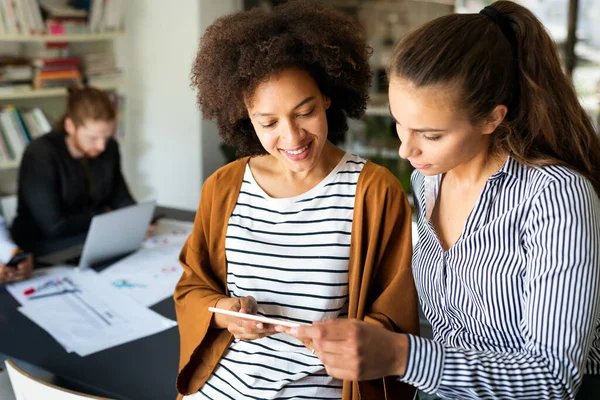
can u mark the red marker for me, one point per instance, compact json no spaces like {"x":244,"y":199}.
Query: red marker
{"x":29,"y":291}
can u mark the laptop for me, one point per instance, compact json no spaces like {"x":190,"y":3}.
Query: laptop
{"x":111,"y":234}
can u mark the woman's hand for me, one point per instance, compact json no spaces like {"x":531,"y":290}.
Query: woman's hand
{"x":355,"y":350}
{"x":307,"y":342}
{"x":23,"y":270}
{"x":241,"y":328}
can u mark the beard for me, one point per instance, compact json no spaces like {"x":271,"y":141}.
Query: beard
{"x":86,"y":153}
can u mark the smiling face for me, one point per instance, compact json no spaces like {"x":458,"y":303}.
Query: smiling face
{"x":437,"y":136}
{"x":288,"y":112}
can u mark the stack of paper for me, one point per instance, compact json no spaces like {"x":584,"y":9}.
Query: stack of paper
{"x":147,"y":276}
{"x":169,"y":233}
{"x":83,"y":312}
{"x":150,"y":274}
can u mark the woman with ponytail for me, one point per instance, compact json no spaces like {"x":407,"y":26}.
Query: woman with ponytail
{"x":507,"y":265}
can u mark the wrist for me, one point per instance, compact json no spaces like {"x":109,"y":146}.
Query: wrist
{"x":220,"y":321}
{"x":401,"y":352}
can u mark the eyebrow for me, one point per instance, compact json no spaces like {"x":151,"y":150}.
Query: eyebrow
{"x":415,"y":130}
{"x":303,"y":102}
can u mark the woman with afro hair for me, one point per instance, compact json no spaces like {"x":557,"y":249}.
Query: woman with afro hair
{"x":297,"y":229}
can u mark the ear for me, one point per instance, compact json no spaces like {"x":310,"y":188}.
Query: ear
{"x":70,"y":126}
{"x":326,"y":102}
{"x":495,"y":118}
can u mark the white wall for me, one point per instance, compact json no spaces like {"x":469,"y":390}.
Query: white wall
{"x":213,"y":158}
{"x":166,"y":145}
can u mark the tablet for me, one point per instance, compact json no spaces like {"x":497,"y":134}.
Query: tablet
{"x":258,"y":318}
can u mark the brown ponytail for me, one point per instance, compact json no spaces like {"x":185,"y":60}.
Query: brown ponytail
{"x":546,"y":123}
{"x":87,"y":103}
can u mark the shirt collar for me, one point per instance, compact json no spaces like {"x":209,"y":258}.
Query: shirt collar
{"x":510,"y":168}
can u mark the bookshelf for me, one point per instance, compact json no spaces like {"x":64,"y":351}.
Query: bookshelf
{"x":29,"y":93}
{"x":67,"y":38}
{"x":51,"y":100}
{"x":10,"y":165}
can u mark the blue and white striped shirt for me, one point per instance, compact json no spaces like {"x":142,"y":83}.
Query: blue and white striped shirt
{"x":514,"y":303}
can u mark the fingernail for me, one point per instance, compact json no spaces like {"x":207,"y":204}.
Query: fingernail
{"x":293,"y":331}
{"x":259,"y":326}
{"x":280,"y":329}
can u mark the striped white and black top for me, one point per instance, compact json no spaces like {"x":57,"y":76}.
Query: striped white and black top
{"x":514,"y":304}
{"x":291,"y":255}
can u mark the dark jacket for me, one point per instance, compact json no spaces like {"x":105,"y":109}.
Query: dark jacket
{"x":58,"y":195}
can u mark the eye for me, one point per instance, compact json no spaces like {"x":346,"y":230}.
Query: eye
{"x":433,"y":138}
{"x":267,"y":126}
{"x":306,"y":114}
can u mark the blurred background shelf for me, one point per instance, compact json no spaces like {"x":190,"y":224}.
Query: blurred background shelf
{"x":10,"y":165}
{"x":30,"y":93}
{"x":69,"y":38}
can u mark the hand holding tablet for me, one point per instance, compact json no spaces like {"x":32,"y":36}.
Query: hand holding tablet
{"x":254,"y":317}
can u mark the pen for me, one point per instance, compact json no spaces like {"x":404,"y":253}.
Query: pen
{"x":39,"y":296}
{"x":29,"y":291}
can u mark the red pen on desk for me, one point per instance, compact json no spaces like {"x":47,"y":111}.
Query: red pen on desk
{"x":29,"y":291}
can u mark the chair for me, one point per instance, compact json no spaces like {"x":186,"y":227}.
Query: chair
{"x":6,"y":390}
{"x":26,"y":387}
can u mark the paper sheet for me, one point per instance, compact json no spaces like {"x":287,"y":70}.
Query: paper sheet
{"x":91,"y":314}
{"x":169,"y":232}
{"x":43,"y":280}
{"x":150,"y":275}
{"x":147,"y":276}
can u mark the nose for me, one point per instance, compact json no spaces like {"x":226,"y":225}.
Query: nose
{"x":100,"y":146}
{"x":408,"y":147}
{"x":293,"y":133}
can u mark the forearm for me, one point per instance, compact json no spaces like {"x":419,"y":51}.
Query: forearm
{"x":60,"y":226}
{"x":472,"y":374}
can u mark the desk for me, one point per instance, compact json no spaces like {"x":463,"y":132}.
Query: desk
{"x":144,"y":369}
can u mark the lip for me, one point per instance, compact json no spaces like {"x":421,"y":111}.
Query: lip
{"x":297,"y":147}
{"x":420,"y":166}
{"x":298,"y":157}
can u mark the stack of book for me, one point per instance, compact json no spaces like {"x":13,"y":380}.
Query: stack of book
{"x":21,"y":17}
{"x":100,"y":68}
{"x":56,"y":72}
{"x":63,"y":19}
{"x":18,"y":128}
{"x":60,"y":17}
{"x":15,"y":73}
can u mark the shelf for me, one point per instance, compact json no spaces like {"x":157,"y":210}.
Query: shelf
{"x":29,"y":93}
{"x":81,"y":37}
{"x":379,"y":110}
{"x":383,"y":5}
{"x":371,"y":151}
{"x":7,"y":165}
{"x":378,"y":105}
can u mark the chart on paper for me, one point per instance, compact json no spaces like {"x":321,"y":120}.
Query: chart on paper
{"x":151,"y":274}
{"x":93,"y":311}
{"x":147,"y":276}
{"x":84,"y":313}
